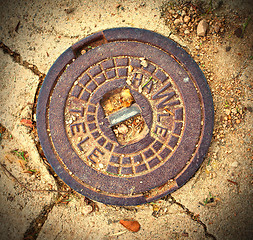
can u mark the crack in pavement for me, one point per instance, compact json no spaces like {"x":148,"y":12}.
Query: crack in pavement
{"x":193,"y":216}
{"x":36,"y":225}
{"x":16,"y":57}
{"x":58,"y":234}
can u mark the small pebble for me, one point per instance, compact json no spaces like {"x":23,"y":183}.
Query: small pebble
{"x":144,"y":63}
{"x":238,"y":32}
{"x":234,"y":164}
{"x":86,"y":210}
{"x":234,"y":111}
{"x":122,"y":129}
{"x":32,"y":177}
{"x":186,"y":32}
{"x":187,"y":19}
{"x":83,"y":51}
{"x":216,"y":28}
{"x":202,"y":28}
{"x":177,"y":22}
{"x":227,"y":111}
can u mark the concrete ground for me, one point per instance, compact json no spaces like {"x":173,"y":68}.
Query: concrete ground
{"x":215,"y":204}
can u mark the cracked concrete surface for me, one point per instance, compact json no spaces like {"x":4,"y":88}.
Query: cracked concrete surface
{"x":45,"y":31}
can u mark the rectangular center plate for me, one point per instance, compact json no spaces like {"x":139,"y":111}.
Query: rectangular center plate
{"x":123,"y":114}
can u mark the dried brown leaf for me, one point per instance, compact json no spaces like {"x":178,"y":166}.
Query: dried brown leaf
{"x":27,"y":122}
{"x":133,"y":226}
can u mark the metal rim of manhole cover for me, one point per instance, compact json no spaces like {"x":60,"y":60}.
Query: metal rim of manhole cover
{"x":125,"y":116}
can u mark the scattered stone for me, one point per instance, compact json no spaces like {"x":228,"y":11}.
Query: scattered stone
{"x":227,"y":111}
{"x":86,"y":210}
{"x":228,"y":49}
{"x":234,"y":164}
{"x":83,"y":51}
{"x":250,"y":109}
{"x":144,"y":62}
{"x":69,"y":10}
{"x":122,"y":129}
{"x":187,"y":19}
{"x":116,"y":132}
{"x":183,"y":13}
{"x":177,"y":22}
{"x":202,"y":28}
{"x":186,"y":32}
{"x":216,"y":28}
{"x":238,"y":32}
{"x":238,"y":121}
{"x":234,"y":110}
{"x":101,"y":165}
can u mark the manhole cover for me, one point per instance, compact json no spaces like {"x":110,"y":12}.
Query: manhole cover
{"x":125,"y":116}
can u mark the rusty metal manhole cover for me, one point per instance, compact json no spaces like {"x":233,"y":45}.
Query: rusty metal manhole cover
{"x":125,"y":116}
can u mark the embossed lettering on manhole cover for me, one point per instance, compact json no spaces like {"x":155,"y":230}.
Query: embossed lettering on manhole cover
{"x":125,"y":116}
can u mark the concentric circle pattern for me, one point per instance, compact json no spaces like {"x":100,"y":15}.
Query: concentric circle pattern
{"x":169,"y":93}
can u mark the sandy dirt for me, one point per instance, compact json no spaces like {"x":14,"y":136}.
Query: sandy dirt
{"x":215,"y":204}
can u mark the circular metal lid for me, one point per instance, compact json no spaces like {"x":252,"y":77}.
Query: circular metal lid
{"x":125,"y":116}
